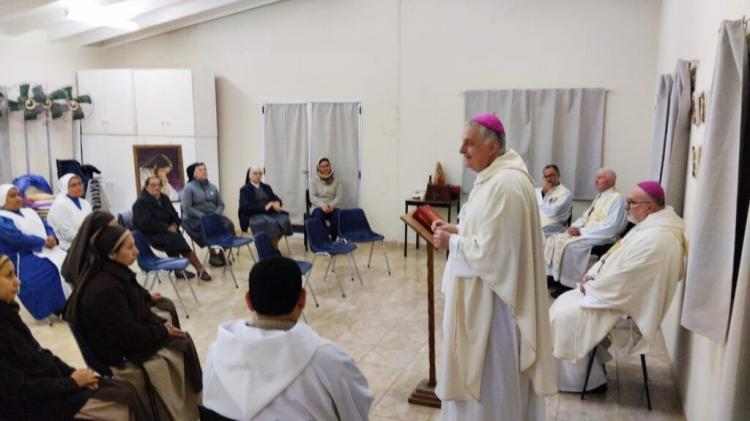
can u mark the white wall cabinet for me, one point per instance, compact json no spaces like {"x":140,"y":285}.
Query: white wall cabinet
{"x":112,"y":93}
{"x":166,"y":107}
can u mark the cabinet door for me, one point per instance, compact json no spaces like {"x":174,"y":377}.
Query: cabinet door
{"x":111,"y":91}
{"x":164,"y":102}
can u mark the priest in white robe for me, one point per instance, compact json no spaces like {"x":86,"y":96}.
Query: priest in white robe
{"x":555,"y":201}
{"x":273,"y":368}
{"x":496,"y":357}
{"x":635,"y":279}
{"x":68,"y":210}
{"x":567,"y":254}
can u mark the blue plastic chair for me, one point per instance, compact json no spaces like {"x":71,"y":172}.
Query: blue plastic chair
{"x":217,"y":236}
{"x":265,"y":250}
{"x":150,"y":263}
{"x":354,"y":228}
{"x":88,"y":354}
{"x":319,"y":242}
{"x":125,"y":219}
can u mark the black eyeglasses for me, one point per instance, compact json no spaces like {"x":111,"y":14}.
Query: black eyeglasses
{"x":632,"y":202}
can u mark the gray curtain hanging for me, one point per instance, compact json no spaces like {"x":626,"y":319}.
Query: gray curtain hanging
{"x":720,"y":205}
{"x":548,"y":126}
{"x":661,"y":121}
{"x":677,"y":139}
{"x":6,"y":171}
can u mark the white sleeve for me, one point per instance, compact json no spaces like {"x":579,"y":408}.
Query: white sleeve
{"x":560,"y":208}
{"x":612,"y":226}
{"x":459,"y":265}
{"x":347,"y":385}
{"x":593,"y":300}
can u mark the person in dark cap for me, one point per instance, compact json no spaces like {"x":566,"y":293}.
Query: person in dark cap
{"x":200,"y":197}
{"x":300,"y":375}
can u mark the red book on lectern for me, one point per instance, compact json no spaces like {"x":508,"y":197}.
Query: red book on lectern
{"x":426,"y":215}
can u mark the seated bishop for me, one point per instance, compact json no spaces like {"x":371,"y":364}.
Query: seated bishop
{"x":555,"y":201}
{"x":567,"y":253}
{"x":631,"y":286}
{"x":273,"y":368}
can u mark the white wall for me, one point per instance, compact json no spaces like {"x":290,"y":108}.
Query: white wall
{"x":30,"y":58}
{"x":409,"y":63}
{"x":689,"y":30}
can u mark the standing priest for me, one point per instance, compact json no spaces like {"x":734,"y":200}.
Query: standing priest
{"x":637,"y":278}
{"x":496,"y":352}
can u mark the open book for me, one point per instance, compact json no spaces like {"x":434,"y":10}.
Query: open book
{"x":426,"y":215}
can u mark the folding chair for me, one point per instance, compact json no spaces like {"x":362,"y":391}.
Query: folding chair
{"x":150,"y":263}
{"x":353,"y":227}
{"x":218,"y":237}
{"x":320,"y":243}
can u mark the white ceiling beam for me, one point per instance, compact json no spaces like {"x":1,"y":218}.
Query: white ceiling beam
{"x":181,"y":15}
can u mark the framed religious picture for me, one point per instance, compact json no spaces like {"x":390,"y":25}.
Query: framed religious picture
{"x":163,"y":161}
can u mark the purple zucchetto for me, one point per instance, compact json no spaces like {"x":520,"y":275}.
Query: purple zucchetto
{"x":653,"y":189}
{"x":490,"y":121}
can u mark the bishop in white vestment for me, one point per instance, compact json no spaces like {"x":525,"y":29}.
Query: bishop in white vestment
{"x":496,"y":361}
{"x":273,"y":367}
{"x":637,"y":278}
{"x":567,"y":254}
{"x":555,"y":202}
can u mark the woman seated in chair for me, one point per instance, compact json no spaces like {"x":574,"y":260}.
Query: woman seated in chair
{"x":326,"y":195}
{"x":81,"y":262}
{"x":37,"y":385}
{"x":200,"y":197}
{"x":260,"y":208}
{"x":68,"y":210}
{"x":113,"y":313}
{"x":156,"y":218}
{"x":32,"y":246}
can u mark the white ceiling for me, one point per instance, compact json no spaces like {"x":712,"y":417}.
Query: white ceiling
{"x":18,"y":17}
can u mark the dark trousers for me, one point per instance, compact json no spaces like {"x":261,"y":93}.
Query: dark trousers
{"x":329,"y":220}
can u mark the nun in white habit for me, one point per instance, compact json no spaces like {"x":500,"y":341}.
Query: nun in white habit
{"x":68,"y":210}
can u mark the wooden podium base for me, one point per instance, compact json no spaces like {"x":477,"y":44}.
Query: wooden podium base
{"x":424,"y":395}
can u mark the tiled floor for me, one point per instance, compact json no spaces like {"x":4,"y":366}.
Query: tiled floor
{"x":383,"y":326}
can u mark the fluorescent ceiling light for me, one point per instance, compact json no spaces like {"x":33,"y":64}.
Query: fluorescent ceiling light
{"x":116,"y":15}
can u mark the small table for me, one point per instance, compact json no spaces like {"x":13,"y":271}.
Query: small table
{"x":446,"y":204}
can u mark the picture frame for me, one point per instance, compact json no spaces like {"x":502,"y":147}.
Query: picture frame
{"x":164,"y":161}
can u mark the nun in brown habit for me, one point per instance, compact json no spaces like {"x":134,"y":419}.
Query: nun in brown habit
{"x":115,"y":317}
{"x":81,"y":262}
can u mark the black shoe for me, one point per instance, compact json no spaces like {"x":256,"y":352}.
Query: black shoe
{"x":216,"y":260}
{"x":205,"y":276}
{"x":184,"y":274}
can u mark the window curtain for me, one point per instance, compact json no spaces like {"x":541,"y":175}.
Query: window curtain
{"x":285,"y":140}
{"x":548,"y":126}
{"x":334,"y":133}
{"x":671,"y":140}
{"x":721,"y":203}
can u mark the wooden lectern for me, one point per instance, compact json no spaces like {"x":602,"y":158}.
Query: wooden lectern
{"x":424,"y":394}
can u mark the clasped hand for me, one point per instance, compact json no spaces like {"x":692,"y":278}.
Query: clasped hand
{"x":442,"y":232}
{"x":85,"y":378}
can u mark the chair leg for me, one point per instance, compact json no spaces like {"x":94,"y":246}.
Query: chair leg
{"x":588,"y":372}
{"x":190,"y":285}
{"x":171,"y":281}
{"x":309,"y":285}
{"x":250,"y":250}
{"x":333,"y":264}
{"x":230,"y":266}
{"x":288,"y":250}
{"x":385,"y":254}
{"x":645,"y":380}
{"x":356,"y":268}
{"x":372,"y":246}
{"x":304,"y":317}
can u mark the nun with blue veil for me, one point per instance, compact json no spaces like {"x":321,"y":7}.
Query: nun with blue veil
{"x":31,"y":244}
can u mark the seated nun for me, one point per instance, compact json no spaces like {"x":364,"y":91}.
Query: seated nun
{"x":198,"y":198}
{"x":81,"y":261}
{"x":156,"y":218}
{"x":260,"y":209}
{"x":114,"y":314}
{"x":37,"y":385}
{"x":636,"y":278}
{"x":272,"y":367}
{"x":326,"y":194}
{"x":32,"y":246}
{"x":68,"y":210}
